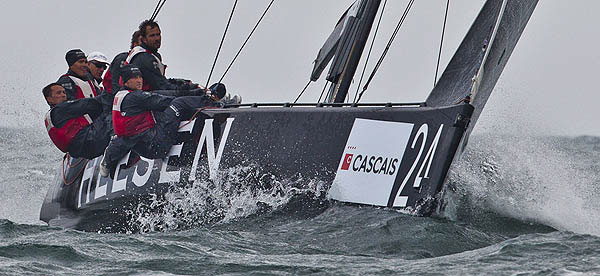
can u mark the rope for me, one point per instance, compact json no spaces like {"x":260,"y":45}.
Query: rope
{"x":221,"y":44}
{"x":370,"y":49}
{"x":322,"y":92}
{"x":387,"y":48}
{"x":248,"y":38}
{"x":441,"y":44}
{"x":157,"y":9}
{"x":77,"y":164}
{"x":195,"y":116}
{"x":80,"y":173}
{"x":302,"y":92}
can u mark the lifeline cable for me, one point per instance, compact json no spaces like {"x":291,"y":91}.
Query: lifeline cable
{"x":221,"y":44}
{"x":441,"y":44}
{"x":248,"y":38}
{"x":387,"y":48}
{"x":370,"y":49}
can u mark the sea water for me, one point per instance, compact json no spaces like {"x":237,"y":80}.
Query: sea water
{"x":525,"y":205}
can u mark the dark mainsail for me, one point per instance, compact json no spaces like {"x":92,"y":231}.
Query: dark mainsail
{"x":330,"y":46}
{"x":458,"y":79}
{"x":345,"y":45}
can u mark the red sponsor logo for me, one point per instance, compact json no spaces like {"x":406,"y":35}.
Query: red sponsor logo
{"x":347,"y":161}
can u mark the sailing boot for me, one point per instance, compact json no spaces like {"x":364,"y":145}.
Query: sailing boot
{"x":229,"y":100}
{"x":104,"y":169}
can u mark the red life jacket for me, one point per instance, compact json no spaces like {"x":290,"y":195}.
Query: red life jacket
{"x":85,"y":89}
{"x":107,"y":81}
{"x":124,"y":125}
{"x":62,"y":137}
{"x":139,"y":49}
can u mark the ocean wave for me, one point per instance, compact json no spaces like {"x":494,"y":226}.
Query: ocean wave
{"x":236,"y":193}
{"x":547,"y":180}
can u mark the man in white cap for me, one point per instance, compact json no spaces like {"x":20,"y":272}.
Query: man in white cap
{"x":97,"y":62}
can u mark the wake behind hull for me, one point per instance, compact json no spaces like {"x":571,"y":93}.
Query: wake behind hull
{"x":366,"y":155}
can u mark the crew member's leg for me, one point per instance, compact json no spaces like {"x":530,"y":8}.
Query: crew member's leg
{"x":157,"y":142}
{"x":116,"y":150}
{"x":153,"y":144}
{"x":101,"y":135}
{"x":91,"y":141}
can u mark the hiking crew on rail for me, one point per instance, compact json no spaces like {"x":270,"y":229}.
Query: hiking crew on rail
{"x":76,"y":126}
{"x":147,"y":123}
{"x":144,"y":114}
{"x":149,"y":61}
{"x":78,"y":82}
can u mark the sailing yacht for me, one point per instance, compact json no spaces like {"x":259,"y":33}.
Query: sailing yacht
{"x":394,"y":155}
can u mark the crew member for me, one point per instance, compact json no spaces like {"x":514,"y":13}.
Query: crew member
{"x":77,"y":82}
{"x":75,"y":126}
{"x":146,"y":122}
{"x":112,"y":76}
{"x":149,"y":61}
{"x":97,"y":63}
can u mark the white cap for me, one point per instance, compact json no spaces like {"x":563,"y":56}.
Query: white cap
{"x":97,"y":56}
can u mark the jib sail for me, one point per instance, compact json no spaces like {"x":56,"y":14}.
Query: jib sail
{"x":477,"y":64}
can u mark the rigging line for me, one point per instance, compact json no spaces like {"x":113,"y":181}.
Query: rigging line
{"x":387,"y":48}
{"x":370,"y":49}
{"x":326,"y":82}
{"x":437,"y":68}
{"x":157,"y":10}
{"x":248,"y":38}
{"x":221,"y":44}
{"x":302,"y":92}
{"x":160,"y":8}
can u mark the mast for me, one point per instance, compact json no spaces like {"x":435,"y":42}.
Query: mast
{"x":355,"y":29}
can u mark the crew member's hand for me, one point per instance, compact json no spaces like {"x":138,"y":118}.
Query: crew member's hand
{"x":197,"y":91}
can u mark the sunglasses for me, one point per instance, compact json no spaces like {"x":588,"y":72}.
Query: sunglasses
{"x":99,"y":65}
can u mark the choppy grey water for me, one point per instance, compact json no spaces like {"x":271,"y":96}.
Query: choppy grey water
{"x":525,"y":205}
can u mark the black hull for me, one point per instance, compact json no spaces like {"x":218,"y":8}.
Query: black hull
{"x":366,"y":154}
